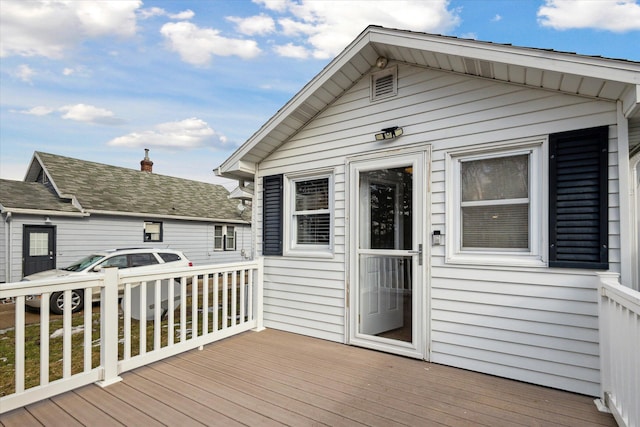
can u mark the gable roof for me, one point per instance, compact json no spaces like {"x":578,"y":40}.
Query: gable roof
{"x":590,"y":76}
{"x":88,"y":187}
{"x":19,"y":196}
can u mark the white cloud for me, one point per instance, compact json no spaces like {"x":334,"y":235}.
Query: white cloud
{"x":275,"y":5}
{"x":254,"y":25}
{"x":157,"y":11}
{"x":610,"y":15}
{"x":24,"y":73}
{"x":197,"y":45}
{"x":51,"y":27}
{"x":496,"y":18}
{"x":184,"y":15}
{"x":188,"y":133}
{"x":329,"y":26}
{"x":89,"y":114}
{"x":292,"y":51}
{"x":37,"y":111}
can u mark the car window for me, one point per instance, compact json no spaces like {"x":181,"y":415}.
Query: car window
{"x":84,"y":263}
{"x":139,"y":260}
{"x":169,"y":257}
{"x":119,"y":261}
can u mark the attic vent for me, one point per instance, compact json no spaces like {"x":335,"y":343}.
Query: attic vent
{"x":384,"y":84}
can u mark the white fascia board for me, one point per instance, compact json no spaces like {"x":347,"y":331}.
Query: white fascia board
{"x":175,"y":217}
{"x":43,"y":212}
{"x":298,"y":99}
{"x":631,"y":102}
{"x":602,"y":68}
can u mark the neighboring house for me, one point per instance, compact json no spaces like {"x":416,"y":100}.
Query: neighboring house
{"x":65,"y":208}
{"x":451,"y":200}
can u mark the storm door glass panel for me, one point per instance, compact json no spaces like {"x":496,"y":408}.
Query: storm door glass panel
{"x":385,"y":268}
{"x":495,"y":203}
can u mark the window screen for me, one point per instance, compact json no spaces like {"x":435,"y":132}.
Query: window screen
{"x":495,"y":203}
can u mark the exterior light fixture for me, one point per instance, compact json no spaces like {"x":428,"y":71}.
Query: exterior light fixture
{"x":389,"y":133}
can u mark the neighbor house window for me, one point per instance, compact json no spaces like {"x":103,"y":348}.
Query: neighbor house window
{"x":496,"y":206}
{"x":152,"y":231}
{"x":224,"y":238}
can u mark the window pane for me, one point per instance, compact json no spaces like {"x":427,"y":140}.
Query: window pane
{"x":152,"y":231}
{"x":217,"y":237}
{"x":313,"y":229}
{"x":231,"y":238}
{"x":504,"y":227}
{"x":495,"y":179}
{"x":38,"y":244}
{"x":312,"y":195}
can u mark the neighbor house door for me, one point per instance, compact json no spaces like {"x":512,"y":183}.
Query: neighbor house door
{"x":38,"y":248}
{"x":388,"y":276}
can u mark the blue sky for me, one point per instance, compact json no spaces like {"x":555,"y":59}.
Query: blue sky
{"x":192,"y":80}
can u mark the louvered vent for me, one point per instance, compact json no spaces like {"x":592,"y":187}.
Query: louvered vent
{"x":578,"y":218}
{"x":272,"y":215}
{"x":383,"y":84}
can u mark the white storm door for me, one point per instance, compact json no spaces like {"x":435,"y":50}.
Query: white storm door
{"x":387,"y":217}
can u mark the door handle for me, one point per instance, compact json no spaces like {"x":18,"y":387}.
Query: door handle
{"x":419,"y":252}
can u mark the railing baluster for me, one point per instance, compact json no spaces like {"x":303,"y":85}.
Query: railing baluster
{"x":183,"y":309}
{"x":234,"y":298}
{"x":44,"y":339}
{"x":170,"y":309}
{"x":88,"y":328}
{"x":225,"y":300}
{"x":216,"y":302}
{"x":66,"y":335}
{"x":126,"y":306}
{"x":194,"y":307}
{"x":205,"y":304}
{"x":157,"y":312}
{"x":20,"y":351}
{"x":143,"y":317}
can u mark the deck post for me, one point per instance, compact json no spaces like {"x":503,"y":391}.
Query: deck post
{"x":109,"y":328}
{"x":259,"y":296}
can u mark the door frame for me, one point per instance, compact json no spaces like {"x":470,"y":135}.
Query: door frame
{"x":51,"y":231}
{"x":421,"y":158}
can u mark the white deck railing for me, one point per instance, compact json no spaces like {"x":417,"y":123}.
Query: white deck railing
{"x":180,"y":310}
{"x":620,"y":350}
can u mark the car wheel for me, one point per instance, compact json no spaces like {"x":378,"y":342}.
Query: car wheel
{"x":57,"y":301}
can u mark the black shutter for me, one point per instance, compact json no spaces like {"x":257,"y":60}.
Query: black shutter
{"x":578,"y":212}
{"x":272,"y":215}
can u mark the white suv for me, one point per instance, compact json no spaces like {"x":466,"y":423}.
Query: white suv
{"x":126,"y":260}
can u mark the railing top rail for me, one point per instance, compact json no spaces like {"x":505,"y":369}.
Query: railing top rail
{"x":623,"y":295}
{"x":188,"y":271}
{"x":62,"y":283}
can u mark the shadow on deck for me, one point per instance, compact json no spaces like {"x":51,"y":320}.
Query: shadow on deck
{"x":277,"y":378}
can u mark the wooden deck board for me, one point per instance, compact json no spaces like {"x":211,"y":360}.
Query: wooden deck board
{"x":275,"y":378}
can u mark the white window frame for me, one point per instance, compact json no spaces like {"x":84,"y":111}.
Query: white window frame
{"x":535,"y":256}
{"x":291,"y":247}
{"x":224,"y":238}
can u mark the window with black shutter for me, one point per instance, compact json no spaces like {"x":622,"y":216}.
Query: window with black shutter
{"x":272,"y":215}
{"x":578,"y":216}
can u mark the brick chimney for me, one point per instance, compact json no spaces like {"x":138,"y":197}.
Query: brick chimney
{"x":146,"y":165}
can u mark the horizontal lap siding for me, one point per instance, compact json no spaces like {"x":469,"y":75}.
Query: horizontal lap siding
{"x":537,"y":325}
{"x":77,"y":237}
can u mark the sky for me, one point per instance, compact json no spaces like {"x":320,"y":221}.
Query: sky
{"x":193,"y":80}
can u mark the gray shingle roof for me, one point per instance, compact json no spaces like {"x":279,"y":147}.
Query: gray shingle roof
{"x":32,"y":195}
{"x":100,"y":187}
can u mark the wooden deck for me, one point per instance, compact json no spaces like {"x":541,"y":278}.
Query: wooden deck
{"x":276,"y":378}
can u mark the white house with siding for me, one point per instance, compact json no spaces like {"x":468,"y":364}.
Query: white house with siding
{"x":451,"y":200}
{"x":66,"y":208}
